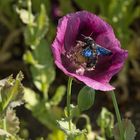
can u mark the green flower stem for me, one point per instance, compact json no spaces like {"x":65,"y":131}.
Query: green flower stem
{"x":117,"y":115}
{"x":4,"y":124}
{"x":4,"y":128}
{"x":68,"y":99}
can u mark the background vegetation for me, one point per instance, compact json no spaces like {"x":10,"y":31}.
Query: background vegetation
{"x":27,"y":29}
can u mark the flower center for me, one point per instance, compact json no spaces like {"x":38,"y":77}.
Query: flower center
{"x":83,"y":57}
{"x":85,"y":54}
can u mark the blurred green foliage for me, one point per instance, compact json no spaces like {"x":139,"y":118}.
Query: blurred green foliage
{"x":27,"y":29}
{"x":38,"y":55}
{"x":106,"y":122}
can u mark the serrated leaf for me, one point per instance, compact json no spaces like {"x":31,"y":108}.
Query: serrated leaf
{"x":86,"y":98}
{"x":74,"y":111}
{"x":11,"y":91}
{"x":56,"y":99}
{"x":12,"y":122}
{"x":129,"y":130}
{"x":63,"y":124}
{"x":14,"y":104}
{"x":3,"y":82}
{"x":4,"y":133}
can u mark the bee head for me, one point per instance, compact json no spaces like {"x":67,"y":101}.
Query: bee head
{"x":88,"y":39}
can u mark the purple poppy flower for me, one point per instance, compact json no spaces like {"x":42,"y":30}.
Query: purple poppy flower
{"x":94,"y":63}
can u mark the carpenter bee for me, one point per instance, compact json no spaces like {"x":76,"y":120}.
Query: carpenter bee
{"x":91,"y":51}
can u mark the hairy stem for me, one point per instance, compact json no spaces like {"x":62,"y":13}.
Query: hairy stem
{"x":68,"y":99}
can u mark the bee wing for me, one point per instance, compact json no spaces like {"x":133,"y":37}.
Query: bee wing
{"x":102,"y":51}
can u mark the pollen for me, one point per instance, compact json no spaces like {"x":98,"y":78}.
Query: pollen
{"x":75,"y":55}
{"x":79,"y":56}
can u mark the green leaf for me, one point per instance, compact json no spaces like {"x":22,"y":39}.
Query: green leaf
{"x":74,"y":111}
{"x":12,"y":90}
{"x":56,"y":99}
{"x":86,"y":98}
{"x":129,"y":130}
{"x":37,"y":30}
{"x":24,"y":16}
{"x":4,"y":133}
{"x":42,"y":23}
{"x":47,"y":116}
{"x":12,"y":122}
{"x":31,"y":98}
{"x":63,"y":124}
{"x":40,"y":58}
{"x":28,"y":58}
{"x":43,"y":72}
{"x":9,"y":124}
